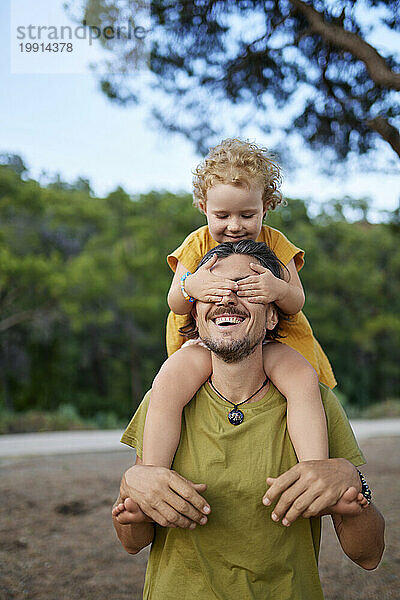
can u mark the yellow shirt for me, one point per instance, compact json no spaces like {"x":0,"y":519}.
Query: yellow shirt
{"x":240,"y":554}
{"x":298,"y":333}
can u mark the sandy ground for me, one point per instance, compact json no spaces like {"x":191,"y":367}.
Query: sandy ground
{"x":57,"y":540}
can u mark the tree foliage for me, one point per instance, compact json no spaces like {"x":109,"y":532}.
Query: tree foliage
{"x":313,"y":58}
{"x":83,"y":283}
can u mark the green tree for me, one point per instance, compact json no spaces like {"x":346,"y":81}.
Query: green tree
{"x":312,"y":58}
{"x":82,"y":292}
{"x":351,"y":279}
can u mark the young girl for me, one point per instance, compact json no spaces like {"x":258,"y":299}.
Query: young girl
{"x":234,"y":187}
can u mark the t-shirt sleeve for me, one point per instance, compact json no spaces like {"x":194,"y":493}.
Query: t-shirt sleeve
{"x":190,"y":252}
{"x":283,"y":248}
{"x":342,"y":441}
{"x":133,"y":434}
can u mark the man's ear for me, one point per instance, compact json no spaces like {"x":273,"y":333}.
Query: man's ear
{"x":271,"y":317}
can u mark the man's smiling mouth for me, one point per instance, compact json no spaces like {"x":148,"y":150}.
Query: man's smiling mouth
{"x":227,"y":317}
{"x":228,"y":320}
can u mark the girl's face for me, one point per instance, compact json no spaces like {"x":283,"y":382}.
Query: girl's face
{"x":233,"y":213}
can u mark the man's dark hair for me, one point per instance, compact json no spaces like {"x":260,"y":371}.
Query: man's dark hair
{"x":260,"y":252}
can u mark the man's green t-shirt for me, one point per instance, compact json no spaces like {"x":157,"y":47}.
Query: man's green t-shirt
{"x":240,"y":554}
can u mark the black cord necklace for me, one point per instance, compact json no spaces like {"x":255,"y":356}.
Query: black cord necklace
{"x":235,"y":416}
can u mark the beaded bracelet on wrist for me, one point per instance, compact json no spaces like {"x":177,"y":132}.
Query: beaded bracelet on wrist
{"x":185,"y":295}
{"x":365,"y":489}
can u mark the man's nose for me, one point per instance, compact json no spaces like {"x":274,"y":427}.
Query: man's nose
{"x":229,"y":300}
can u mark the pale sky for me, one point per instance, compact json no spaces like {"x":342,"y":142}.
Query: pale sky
{"x":63,"y":123}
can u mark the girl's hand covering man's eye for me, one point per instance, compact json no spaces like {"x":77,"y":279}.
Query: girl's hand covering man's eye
{"x":203,"y":285}
{"x":262,"y":287}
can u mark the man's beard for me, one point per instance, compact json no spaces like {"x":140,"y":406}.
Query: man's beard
{"x":232,"y":351}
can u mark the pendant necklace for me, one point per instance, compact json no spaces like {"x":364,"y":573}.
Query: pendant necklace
{"x":235,"y":416}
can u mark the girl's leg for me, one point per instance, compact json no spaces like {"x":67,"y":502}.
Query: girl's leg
{"x":175,"y":385}
{"x":296,"y":379}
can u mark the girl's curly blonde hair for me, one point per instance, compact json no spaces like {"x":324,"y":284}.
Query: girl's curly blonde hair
{"x":241,"y":163}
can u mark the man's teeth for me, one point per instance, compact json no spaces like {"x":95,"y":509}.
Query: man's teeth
{"x":231,"y":320}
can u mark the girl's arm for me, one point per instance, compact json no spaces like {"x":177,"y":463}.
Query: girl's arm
{"x":263,"y":287}
{"x":176,"y":301}
{"x":296,"y":379}
{"x":291,"y":299}
{"x":201,"y":285}
{"x":175,"y":385}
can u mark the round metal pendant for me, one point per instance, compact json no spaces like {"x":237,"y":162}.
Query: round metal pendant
{"x":235,"y":417}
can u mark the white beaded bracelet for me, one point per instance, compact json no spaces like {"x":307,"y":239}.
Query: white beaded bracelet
{"x":185,"y":295}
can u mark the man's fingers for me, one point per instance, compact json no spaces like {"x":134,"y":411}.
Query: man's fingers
{"x":310,"y":488}
{"x":175,"y":518}
{"x":322,"y":504}
{"x":185,"y":508}
{"x":280,"y":484}
{"x":199,"y":487}
{"x":166,"y":515}
{"x":290,"y":498}
{"x":318,"y":507}
{"x":165,"y":496}
{"x":163,"y":514}
{"x":186,"y":490}
{"x":297,"y":507}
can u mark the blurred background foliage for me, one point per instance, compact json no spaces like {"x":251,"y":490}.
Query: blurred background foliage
{"x":83,"y":284}
{"x":311,"y":70}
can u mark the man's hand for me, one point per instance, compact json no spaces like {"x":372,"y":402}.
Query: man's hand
{"x":165,"y":497}
{"x":263,"y":287}
{"x":310,"y":488}
{"x":206,"y":287}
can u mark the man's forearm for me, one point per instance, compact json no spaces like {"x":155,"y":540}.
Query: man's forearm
{"x":362,"y":537}
{"x":134,"y":536}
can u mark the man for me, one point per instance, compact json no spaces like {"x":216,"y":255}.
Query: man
{"x":222,"y":539}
